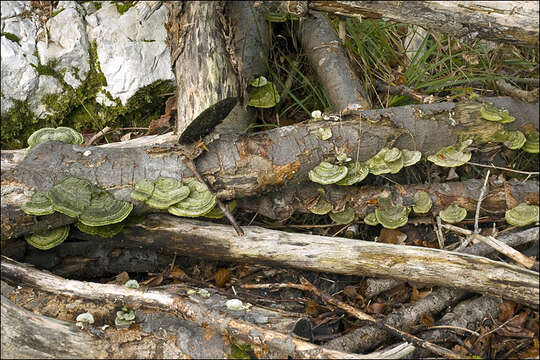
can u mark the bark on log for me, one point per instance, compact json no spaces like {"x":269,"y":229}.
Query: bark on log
{"x":331,"y":63}
{"x":334,"y":255}
{"x":509,"y":21}
{"x":206,"y":79}
{"x":255,"y":163}
{"x":205,"y":312}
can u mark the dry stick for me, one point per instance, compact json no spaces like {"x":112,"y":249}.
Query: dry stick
{"x":505,"y":169}
{"x":191,"y":165}
{"x":197,"y":312}
{"x":495,"y":244}
{"x":363,"y":316}
{"x":98,"y":135}
{"x":479,"y":202}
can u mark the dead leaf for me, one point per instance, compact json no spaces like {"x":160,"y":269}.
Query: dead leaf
{"x":532,"y":352}
{"x":376,"y":308}
{"x":153,"y":281}
{"x":177,"y":273}
{"x":126,"y":136}
{"x":120,"y":279}
{"x":506,"y":310}
{"x":222,"y":277}
{"x":427,"y":319}
{"x":350,"y":291}
{"x":312,"y":308}
{"x":391,"y":236}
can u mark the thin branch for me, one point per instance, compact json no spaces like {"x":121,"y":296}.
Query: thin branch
{"x":533,"y":173}
{"x":479,"y":202}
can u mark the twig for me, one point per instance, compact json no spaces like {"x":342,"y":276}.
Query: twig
{"x":509,"y":89}
{"x":439,"y":233}
{"x":505,"y":169}
{"x":98,"y":135}
{"x":480,"y":199}
{"x":495,"y":244}
{"x":453,"y":328}
{"x":191,"y":165}
{"x":363,"y":316}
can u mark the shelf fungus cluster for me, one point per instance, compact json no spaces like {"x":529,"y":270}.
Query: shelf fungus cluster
{"x":531,"y":142}
{"x":387,"y":214}
{"x":97,"y":211}
{"x":387,"y":160}
{"x":422,"y":202}
{"x":453,"y":214}
{"x":492,"y":113}
{"x":190,"y":199}
{"x":62,"y":134}
{"x":452,"y":156}
{"x":522,"y":215}
{"x":512,"y":139}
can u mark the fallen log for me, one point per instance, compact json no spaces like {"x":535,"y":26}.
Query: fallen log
{"x":334,"y":255}
{"x":256,"y":163}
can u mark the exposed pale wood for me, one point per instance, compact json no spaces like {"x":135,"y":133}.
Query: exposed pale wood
{"x":329,"y":60}
{"x":205,"y":76}
{"x":510,"y":21}
{"x":335,"y":255}
{"x":269,"y":343}
{"x":256,"y":163}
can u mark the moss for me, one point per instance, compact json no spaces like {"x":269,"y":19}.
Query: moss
{"x":78,"y":108}
{"x":11,"y":37}
{"x":123,"y":6}
{"x":97,"y":4}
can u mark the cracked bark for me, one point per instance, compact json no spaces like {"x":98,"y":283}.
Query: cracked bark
{"x":253,"y":164}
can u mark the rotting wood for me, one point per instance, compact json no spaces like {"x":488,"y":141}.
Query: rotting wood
{"x":334,"y":255}
{"x":508,"y":21}
{"x":256,"y":163}
{"x":268,"y":343}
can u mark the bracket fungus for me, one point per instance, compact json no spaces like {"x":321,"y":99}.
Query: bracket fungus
{"x":453,"y":155}
{"x":422,"y":202}
{"x":216,"y":212}
{"x":124,"y":318}
{"x":512,"y":139}
{"x":167,"y":192}
{"x":39,"y":204}
{"x":356,"y":172}
{"x":371,"y":219}
{"x":265,"y":96}
{"x":104,"y":209}
{"x":522,"y":215}
{"x":491,"y":113}
{"x":143,"y":190}
{"x":326,"y":173}
{"x":453,"y":214}
{"x":86,"y":318}
{"x":391,"y":216}
{"x":62,"y":134}
{"x":386,"y":161}
{"x":531,"y":143}
{"x":321,"y":206}
{"x":71,"y":196}
{"x":410,"y":157}
{"x":258,"y":82}
{"x":105,"y":231}
{"x":343,"y":217}
{"x":48,"y":239}
{"x":199,"y":202}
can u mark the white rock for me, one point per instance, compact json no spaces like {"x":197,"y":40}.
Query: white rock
{"x":13,"y":8}
{"x":67,"y":44}
{"x":47,"y":85}
{"x":132,"y":53}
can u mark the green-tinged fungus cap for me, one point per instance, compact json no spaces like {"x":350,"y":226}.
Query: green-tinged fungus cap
{"x":343,"y":217}
{"x":410,"y":157}
{"x":167,"y":191}
{"x":124,"y":317}
{"x":48,"y":239}
{"x":522,"y":215}
{"x":531,"y":144}
{"x":104,"y":209}
{"x":105,"y":231}
{"x":143,"y":190}
{"x":512,"y":139}
{"x":491,"y":113}
{"x":392,"y":154}
{"x":62,"y":134}
{"x":356,"y":172}
{"x":391,"y":216}
{"x":71,"y":196}
{"x":264,"y":97}
{"x":326,"y":173}
{"x":378,"y":165}
{"x":258,"y":82}
{"x":39,"y":204}
{"x":422,"y":202}
{"x":452,"y":156}
{"x":199,"y":202}
{"x":453,"y":214}
{"x":216,"y":212}
{"x":371,"y":219}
